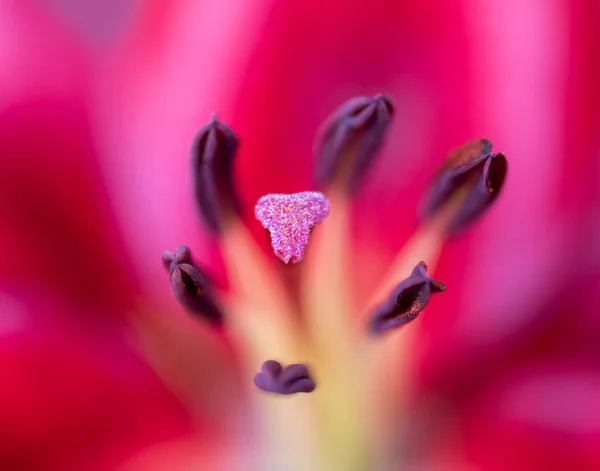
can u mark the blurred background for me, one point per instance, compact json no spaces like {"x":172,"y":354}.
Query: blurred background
{"x":101,"y":369}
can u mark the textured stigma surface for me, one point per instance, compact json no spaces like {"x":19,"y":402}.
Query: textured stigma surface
{"x":289,"y":219}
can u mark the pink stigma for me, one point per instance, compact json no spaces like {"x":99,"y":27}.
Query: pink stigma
{"x":289,"y":219}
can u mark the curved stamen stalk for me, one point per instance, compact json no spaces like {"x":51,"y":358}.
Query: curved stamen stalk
{"x":263,"y":324}
{"x":348,"y":144}
{"x":259,"y":307}
{"x":386,"y":360}
{"x":326,"y":295}
{"x":260,"y":317}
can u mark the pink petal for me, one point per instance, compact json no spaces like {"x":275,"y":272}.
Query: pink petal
{"x":545,"y":418}
{"x":58,"y":230}
{"x":510,"y":269}
{"x":185,"y":62}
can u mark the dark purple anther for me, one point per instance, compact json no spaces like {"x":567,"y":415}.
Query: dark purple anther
{"x":213,"y":153}
{"x":474,"y":169}
{"x":190,"y":286}
{"x":292,"y":379}
{"x":406,"y":301}
{"x":350,"y":138}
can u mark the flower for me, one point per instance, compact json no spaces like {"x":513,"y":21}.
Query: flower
{"x":259,"y":315}
{"x":502,"y":336}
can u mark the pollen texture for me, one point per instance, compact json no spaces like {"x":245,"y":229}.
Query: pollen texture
{"x":289,"y":219}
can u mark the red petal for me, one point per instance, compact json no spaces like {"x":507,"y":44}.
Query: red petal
{"x":57,"y":225}
{"x":69,"y":401}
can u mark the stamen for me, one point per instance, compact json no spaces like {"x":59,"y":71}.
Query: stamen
{"x":483,"y":193}
{"x":213,"y":153}
{"x":473,"y":173}
{"x":349,"y":139}
{"x":346,"y":149}
{"x":292,"y":379}
{"x":406,"y":302}
{"x":328,"y":305}
{"x":387,"y":359}
{"x":261,"y":314}
{"x":262,"y":324}
{"x":190,"y":286}
{"x":289,"y":219}
{"x":258,"y":310}
{"x":170,"y":259}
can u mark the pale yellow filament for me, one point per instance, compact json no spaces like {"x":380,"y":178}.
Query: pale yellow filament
{"x":386,"y":359}
{"x":328,"y":305}
{"x":262,"y":320}
{"x":259,"y":309}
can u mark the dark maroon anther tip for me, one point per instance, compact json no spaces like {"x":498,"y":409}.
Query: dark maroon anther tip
{"x":213,"y":154}
{"x":183,"y":254}
{"x":471,"y":168}
{"x":482,"y":194}
{"x":190,"y":286}
{"x":406,"y":302}
{"x":386,"y":101}
{"x":172,"y":259}
{"x":349,"y":140}
{"x":167,"y":259}
{"x":273,"y":378}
